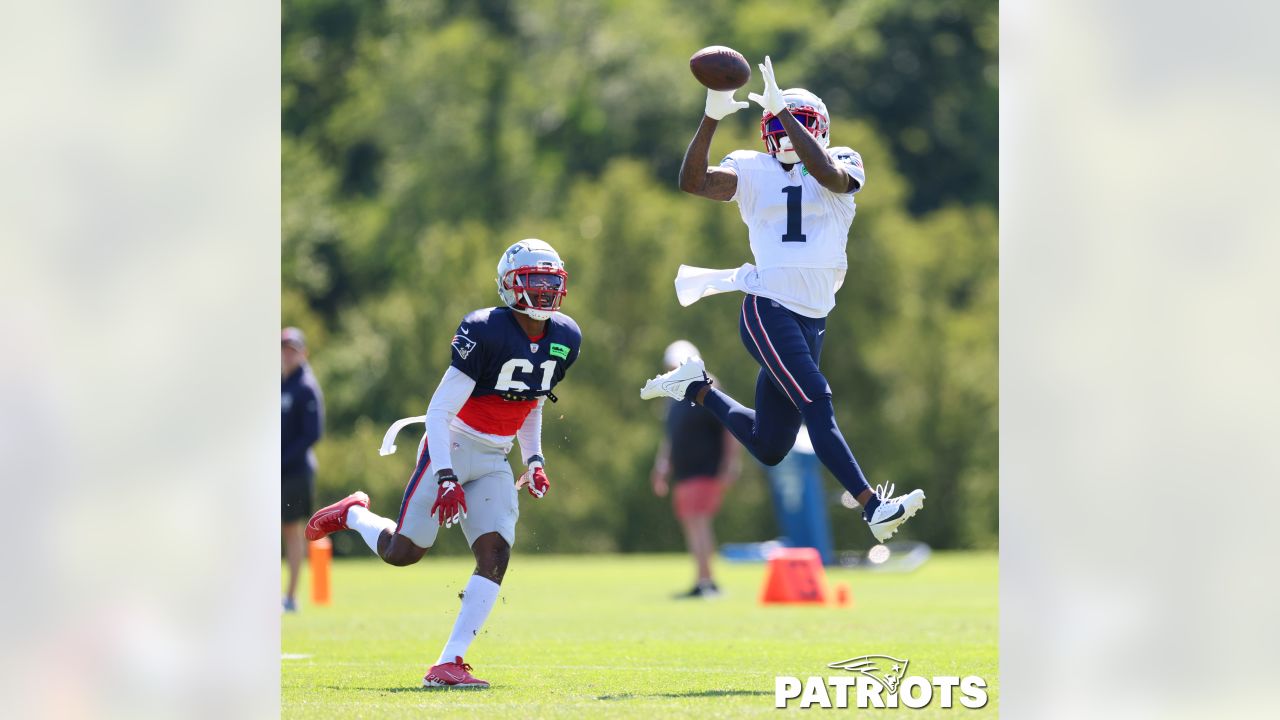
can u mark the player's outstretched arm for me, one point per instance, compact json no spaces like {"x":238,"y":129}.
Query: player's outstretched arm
{"x":696,"y":178}
{"x":828,"y":174}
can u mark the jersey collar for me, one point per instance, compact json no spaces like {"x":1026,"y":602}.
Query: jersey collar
{"x":511,"y":315}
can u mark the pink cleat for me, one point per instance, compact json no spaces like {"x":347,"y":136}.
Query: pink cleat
{"x":333,"y":518}
{"x":453,"y":674}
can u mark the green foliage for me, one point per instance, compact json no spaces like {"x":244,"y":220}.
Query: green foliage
{"x":422,"y":138}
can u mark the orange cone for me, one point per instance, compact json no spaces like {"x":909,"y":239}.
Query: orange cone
{"x":319,"y":553}
{"x":795,"y":575}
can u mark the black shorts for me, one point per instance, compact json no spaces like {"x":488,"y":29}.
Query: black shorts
{"x":295,"y":497}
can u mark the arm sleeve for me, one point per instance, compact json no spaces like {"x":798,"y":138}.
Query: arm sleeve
{"x":450,"y":395}
{"x":310,"y":430}
{"x":530,"y":432}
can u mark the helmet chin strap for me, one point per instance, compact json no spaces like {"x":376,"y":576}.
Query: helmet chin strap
{"x":786,"y":153}
{"x":535,"y":314}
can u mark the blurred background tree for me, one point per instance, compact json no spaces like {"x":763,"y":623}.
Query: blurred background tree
{"x":421,"y":138}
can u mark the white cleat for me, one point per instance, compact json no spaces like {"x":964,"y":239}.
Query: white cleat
{"x":674,"y":384}
{"x":893,"y":511}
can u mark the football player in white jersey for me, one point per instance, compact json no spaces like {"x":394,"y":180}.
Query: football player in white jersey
{"x":797,"y":201}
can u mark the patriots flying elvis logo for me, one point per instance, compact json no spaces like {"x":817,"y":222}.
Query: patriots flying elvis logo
{"x":463,"y":345}
{"x":885,"y":670}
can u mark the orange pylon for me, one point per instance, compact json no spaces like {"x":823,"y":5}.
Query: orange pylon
{"x":795,"y":575}
{"x":319,"y":554}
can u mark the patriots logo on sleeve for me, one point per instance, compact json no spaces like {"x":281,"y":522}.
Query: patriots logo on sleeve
{"x":463,"y":345}
{"x":850,"y":157}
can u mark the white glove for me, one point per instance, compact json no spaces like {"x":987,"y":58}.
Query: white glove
{"x":772,"y":99}
{"x":721,"y":103}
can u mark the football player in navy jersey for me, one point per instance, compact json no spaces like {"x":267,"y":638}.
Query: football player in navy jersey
{"x":797,"y":202}
{"x":505,"y":362}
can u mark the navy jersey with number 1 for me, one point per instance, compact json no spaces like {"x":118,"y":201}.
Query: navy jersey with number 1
{"x":511,"y":369}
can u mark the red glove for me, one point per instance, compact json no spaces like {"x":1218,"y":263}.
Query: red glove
{"x":451,"y":501}
{"x":536,"y":478}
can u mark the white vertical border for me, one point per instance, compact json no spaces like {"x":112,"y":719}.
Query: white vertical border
{"x":139,"y":230}
{"x":1139,"y":337}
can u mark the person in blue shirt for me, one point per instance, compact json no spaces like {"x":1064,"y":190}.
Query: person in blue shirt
{"x":301,"y":422}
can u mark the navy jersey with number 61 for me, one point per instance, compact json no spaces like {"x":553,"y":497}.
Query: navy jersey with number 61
{"x":511,"y":369}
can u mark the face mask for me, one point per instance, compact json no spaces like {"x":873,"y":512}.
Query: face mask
{"x":785,"y":152}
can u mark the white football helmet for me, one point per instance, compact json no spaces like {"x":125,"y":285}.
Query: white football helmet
{"x":532,"y":279}
{"x":812,"y":114}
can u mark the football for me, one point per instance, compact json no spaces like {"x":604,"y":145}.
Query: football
{"x":720,"y":68}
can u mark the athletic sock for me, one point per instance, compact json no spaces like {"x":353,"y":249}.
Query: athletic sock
{"x":477,"y":601}
{"x":691,"y":392}
{"x":870,"y":508}
{"x":369,"y":525}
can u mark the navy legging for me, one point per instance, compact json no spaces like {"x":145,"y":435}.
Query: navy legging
{"x":790,"y":389}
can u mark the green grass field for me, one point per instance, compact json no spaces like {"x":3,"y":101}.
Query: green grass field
{"x":599,"y":636}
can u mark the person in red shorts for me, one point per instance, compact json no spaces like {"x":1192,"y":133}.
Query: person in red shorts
{"x":701,"y":459}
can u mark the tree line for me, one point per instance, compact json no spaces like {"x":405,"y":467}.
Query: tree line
{"x":420,"y":139}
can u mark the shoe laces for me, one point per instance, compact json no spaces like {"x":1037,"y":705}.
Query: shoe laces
{"x":885,"y":493}
{"x":466,"y":667}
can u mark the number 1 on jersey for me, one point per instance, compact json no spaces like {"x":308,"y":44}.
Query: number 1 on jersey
{"x":793,"y":214}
